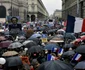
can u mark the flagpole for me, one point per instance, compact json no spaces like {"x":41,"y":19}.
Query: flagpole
{"x":77,"y":8}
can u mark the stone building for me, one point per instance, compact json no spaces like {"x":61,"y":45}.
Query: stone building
{"x":74,"y":8}
{"x":17,"y":8}
{"x":26,"y":10}
{"x":36,"y":10}
{"x":23,"y":9}
{"x":57,"y":13}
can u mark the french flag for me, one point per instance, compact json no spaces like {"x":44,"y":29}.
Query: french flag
{"x":50,"y":57}
{"x":60,"y":51}
{"x":77,"y":57}
{"x":54,"y":49}
{"x":75,"y":24}
{"x":64,"y":23}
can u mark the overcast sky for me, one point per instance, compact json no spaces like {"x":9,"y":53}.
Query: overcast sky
{"x":52,"y":5}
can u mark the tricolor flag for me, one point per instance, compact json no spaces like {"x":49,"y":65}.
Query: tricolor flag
{"x":54,"y":49}
{"x":64,"y":23}
{"x":60,"y":51}
{"x":77,"y":57}
{"x":50,"y":57}
{"x":75,"y":24}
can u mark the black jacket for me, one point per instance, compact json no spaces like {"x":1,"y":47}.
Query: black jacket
{"x":15,"y":26}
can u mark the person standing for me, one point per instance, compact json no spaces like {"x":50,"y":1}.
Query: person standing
{"x":14,"y":27}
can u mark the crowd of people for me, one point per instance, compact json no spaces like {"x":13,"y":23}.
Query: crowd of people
{"x":40,"y":47}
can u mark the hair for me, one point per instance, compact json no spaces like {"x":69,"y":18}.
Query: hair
{"x":15,"y":18}
{"x":29,"y":32}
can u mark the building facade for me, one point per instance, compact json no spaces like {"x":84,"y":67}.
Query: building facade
{"x":57,"y":14}
{"x":36,"y":10}
{"x":73,"y":7}
{"x":26,"y":10}
{"x":23,"y":9}
{"x":17,"y":8}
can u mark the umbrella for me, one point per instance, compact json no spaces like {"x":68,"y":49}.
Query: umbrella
{"x":55,"y":65}
{"x":55,"y":30}
{"x":76,"y":42}
{"x":36,"y":35}
{"x":29,"y":43}
{"x":61,"y":31}
{"x":83,"y":37}
{"x":83,"y":33}
{"x":51,"y":46}
{"x":21,"y":39}
{"x":9,"y":37}
{"x":68,"y":45}
{"x":36,"y":40}
{"x":80,"y":49}
{"x":50,"y":37}
{"x":80,"y":65}
{"x":15,"y":45}
{"x":57,"y":38}
{"x":42,"y":28}
{"x":2,"y":38}
{"x":56,"y":41}
{"x":68,"y":54}
{"x":10,"y":53}
{"x":5,"y":44}
{"x":2,"y":34}
{"x":69,"y":36}
{"x":14,"y":61}
{"x":45,"y":27}
{"x":6,"y":32}
{"x":35,"y":49}
{"x":51,"y":31}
